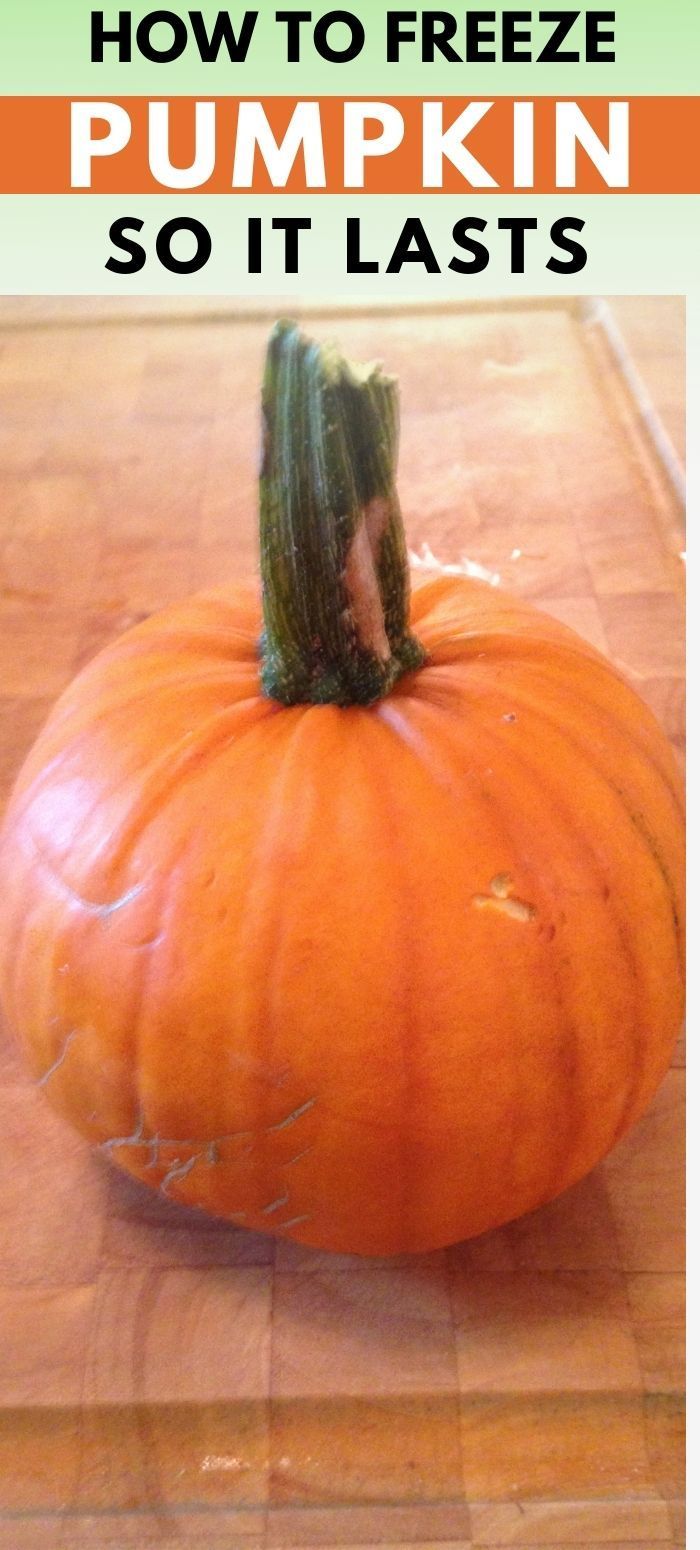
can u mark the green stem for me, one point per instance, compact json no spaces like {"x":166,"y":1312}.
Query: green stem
{"x":332,"y":545}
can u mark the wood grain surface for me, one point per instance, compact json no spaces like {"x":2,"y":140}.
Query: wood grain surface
{"x":166,"y":1380}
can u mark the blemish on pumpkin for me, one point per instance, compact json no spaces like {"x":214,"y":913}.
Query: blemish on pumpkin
{"x":510,"y":716}
{"x":291,"y":1160}
{"x":136,"y":1139}
{"x":499,"y":898}
{"x":296,"y":1221}
{"x":292,"y":1118}
{"x":276,"y":1205}
{"x":60,"y":1058}
{"x":150,"y":941}
{"x":102,"y":910}
{"x":119,"y":904}
{"x":154,"y":1145}
{"x":178,"y":1171}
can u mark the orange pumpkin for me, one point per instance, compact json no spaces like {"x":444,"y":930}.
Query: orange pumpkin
{"x":375,"y":975}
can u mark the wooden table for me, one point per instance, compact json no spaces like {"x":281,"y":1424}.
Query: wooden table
{"x":166,"y":1380}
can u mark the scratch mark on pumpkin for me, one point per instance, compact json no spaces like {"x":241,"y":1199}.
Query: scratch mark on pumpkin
{"x":295,"y":1221}
{"x":276,"y":1205}
{"x":119,"y":904}
{"x":137,"y":1138}
{"x":60,"y":1058}
{"x":179,"y":1170}
{"x":205,"y":1151}
{"x":103,"y":910}
{"x":292,"y":1118}
{"x":291,"y":1160}
{"x":153,"y":1160}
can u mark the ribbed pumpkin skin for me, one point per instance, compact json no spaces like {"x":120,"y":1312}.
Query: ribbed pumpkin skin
{"x":375,"y":979}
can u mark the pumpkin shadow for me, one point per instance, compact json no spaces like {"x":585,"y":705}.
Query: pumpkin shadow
{"x":501,"y":1308}
{"x":574,"y":1232}
{"x":143,"y":1227}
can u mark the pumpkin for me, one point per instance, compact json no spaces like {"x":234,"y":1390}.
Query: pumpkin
{"x":360,"y":922}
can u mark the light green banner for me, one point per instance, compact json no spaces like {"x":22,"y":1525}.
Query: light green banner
{"x":46,"y":48}
{"x":635,"y":244}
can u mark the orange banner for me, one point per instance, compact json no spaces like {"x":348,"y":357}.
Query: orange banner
{"x":49,"y":145}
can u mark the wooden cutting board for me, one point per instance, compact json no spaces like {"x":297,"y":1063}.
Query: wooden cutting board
{"x":166,"y":1380}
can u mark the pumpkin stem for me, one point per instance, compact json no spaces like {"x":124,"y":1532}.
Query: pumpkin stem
{"x":332,"y":546}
